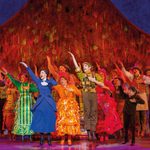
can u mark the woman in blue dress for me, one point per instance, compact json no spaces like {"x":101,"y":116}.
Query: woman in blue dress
{"x":44,"y":117}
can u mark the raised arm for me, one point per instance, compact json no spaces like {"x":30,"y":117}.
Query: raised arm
{"x":52,"y":69}
{"x":35,"y":70}
{"x":125,"y":72}
{"x":74,"y":61}
{"x":120,"y":72}
{"x":32,"y":75}
{"x":14,"y":81}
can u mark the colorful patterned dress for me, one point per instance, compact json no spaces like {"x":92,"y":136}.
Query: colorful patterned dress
{"x":68,"y":118}
{"x":23,"y":114}
{"x":8,"y":109}
{"x":108,"y":118}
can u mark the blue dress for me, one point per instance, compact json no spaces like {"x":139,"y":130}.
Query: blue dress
{"x":44,"y":117}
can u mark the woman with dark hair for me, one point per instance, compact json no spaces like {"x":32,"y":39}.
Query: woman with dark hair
{"x":44,"y":117}
{"x":23,"y":114}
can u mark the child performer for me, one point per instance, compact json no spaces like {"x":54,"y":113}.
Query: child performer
{"x":131,"y":100}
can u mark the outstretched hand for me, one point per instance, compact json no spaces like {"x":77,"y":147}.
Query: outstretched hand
{"x":24,"y":64}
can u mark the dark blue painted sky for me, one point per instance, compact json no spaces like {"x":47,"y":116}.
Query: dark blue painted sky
{"x":8,"y":8}
{"x":137,"y":11}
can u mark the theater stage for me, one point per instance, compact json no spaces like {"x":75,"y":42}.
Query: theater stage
{"x":82,"y":144}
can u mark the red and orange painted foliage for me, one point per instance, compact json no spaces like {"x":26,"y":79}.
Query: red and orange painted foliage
{"x":93,"y":30}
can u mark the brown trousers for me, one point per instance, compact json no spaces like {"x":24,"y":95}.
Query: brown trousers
{"x":90,"y":110}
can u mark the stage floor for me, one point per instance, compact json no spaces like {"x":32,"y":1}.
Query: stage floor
{"x":141,"y":144}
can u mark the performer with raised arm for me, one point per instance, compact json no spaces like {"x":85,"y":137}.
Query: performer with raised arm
{"x":23,"y":115}
{"x":63,"y":69}
{"x":44,"y":117}
{"x":108,"y":118}
{"x":139,"y":81}
{"x":68,"y":118}
{"x":88,"y":79}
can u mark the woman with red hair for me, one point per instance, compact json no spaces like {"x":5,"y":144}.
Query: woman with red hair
{"x":68,"y":119}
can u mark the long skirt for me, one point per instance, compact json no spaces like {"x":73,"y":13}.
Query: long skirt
{"x":23,"y":116}
{"x":111,"y":121}
{"x":44,"y":118}
{"x":68,"y":119}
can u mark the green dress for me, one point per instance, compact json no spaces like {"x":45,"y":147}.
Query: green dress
{"x":23,"y":114}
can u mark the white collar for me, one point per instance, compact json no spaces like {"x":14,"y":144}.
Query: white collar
{"x":44,"y":80}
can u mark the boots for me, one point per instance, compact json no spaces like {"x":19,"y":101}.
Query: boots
{"x":49,"y":138}
{"x":126,"y":140}
{"x":94,"y":136}
{"x":89,"y":135}
{"x":41,"y":139}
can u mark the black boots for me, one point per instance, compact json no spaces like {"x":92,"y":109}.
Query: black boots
{"x":49,"y":139}
{"x":94,"y":136}
{"x":41,"y":139}
{"x":91,"y":135}
{"x":23,"y":138}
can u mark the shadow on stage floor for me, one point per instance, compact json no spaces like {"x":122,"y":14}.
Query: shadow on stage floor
{"x":112,"y":144}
